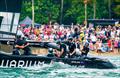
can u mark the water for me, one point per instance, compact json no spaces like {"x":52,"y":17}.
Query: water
{"x":60,"y":70}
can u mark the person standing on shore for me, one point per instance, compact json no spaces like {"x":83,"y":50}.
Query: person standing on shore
{"x":119,"y":45}
{"x":109,"y":44}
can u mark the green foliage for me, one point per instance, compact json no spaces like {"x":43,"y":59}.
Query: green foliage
{"x":116,"y":8}
{"x":45,"y":10}
{"x":73,"y":10}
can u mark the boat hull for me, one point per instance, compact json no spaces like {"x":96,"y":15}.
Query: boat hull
{"x":7,"y":60}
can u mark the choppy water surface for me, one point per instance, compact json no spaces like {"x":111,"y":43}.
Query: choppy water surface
{"x":60,"y":70}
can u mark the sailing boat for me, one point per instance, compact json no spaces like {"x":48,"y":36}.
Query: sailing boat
{"x":10,"y":12}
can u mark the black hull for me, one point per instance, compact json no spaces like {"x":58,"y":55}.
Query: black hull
{"x":11,"y":41}
{"x":7,"y":60}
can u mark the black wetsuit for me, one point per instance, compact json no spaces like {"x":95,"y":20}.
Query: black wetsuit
{"x":77,"y":45}
{"x":22,"y":42}
{"x":64,"y":47}
{"x":86,"y":50}
{"x":72,"y":47}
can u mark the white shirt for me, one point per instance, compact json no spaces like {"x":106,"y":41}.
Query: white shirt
{"x":118,"y":32}
{"x":19,"y":32}
{"x":93,"y":38}
{"x":113,"y":34}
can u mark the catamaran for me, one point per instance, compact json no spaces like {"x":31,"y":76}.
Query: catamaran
{"x":10,"y":60}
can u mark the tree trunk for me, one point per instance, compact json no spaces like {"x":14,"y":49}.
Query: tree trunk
{"x":94,"y":6}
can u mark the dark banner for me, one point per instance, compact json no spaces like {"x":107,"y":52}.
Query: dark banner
{"x":10,"y":6}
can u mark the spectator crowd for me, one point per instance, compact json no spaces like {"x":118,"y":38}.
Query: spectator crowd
{"x":100,"y":38}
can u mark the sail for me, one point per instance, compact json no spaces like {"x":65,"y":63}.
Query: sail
{"x":10,"y":11}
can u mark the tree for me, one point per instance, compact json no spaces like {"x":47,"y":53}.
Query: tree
{"x":116,"y":9}
{"x":73,"y":10}
{"x":45,"y":10}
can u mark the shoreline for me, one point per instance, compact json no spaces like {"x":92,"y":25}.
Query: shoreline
{"x":115,"y":53}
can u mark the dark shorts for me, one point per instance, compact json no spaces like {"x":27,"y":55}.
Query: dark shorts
{"x":93,"y":42}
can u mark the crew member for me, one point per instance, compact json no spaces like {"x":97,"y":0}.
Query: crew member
{"x":50,"y":52}
{"x":21,"y":43}
{"x":72,"y":47}
{"x":77,"y":50}
{"x":85,"y":49}
{"x":63,"y":50}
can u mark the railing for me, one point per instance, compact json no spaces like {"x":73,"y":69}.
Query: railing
{"x":4,"y":34}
